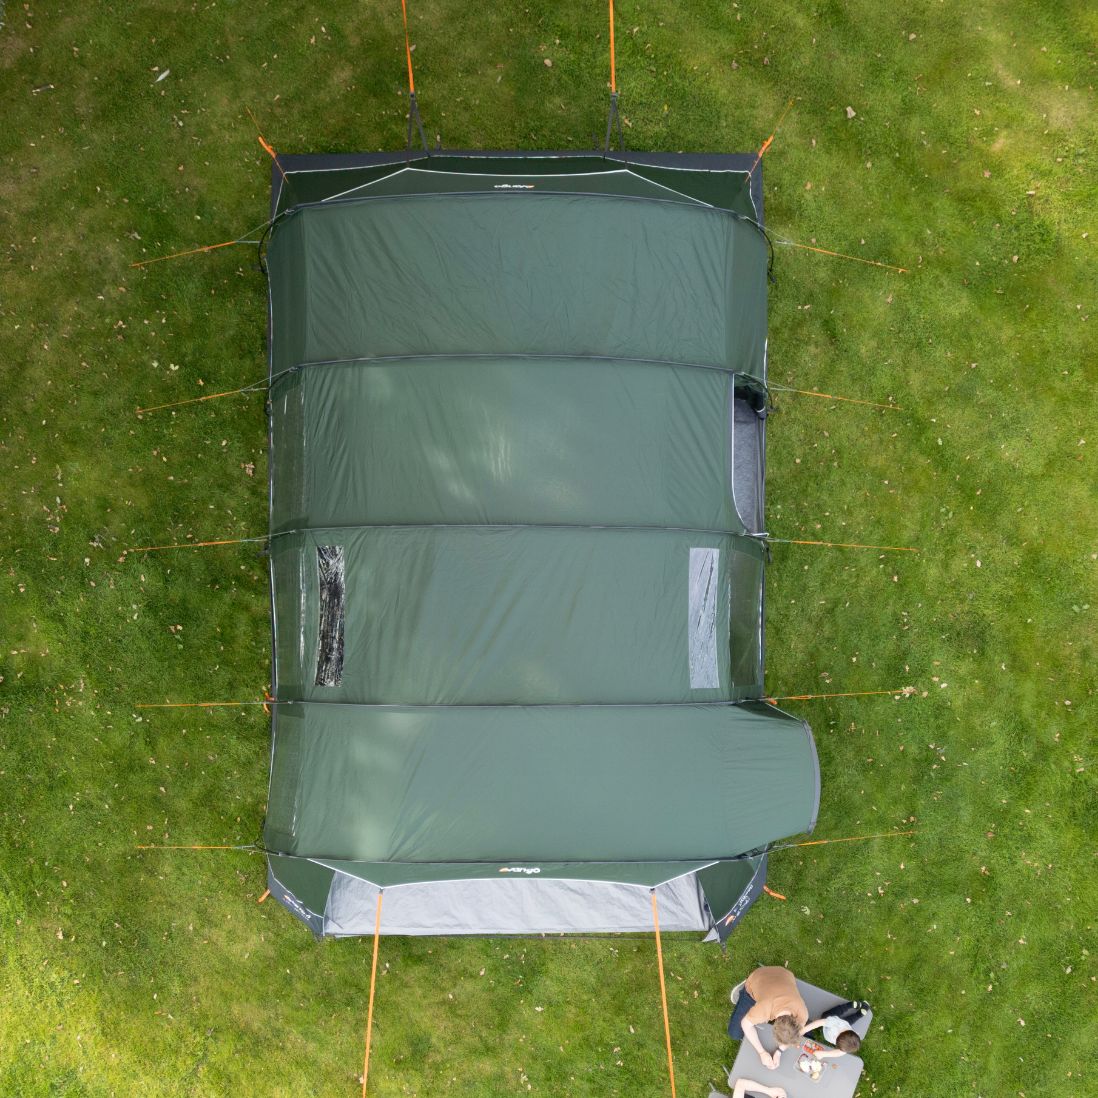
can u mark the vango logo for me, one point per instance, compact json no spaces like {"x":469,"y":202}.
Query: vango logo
{"x":529,"y":870}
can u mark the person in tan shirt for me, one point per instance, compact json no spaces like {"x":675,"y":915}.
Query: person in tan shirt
{"x":769,"y":994}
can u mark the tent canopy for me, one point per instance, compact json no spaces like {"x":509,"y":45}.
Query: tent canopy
{"x":517,"y":448}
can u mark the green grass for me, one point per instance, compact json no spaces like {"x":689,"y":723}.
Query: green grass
{"x":971,"y":159}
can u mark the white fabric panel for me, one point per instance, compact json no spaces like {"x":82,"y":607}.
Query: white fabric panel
{"x":704,"y":585}
{"x":512,"y":906}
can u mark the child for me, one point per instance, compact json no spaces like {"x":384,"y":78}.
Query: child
{"x":837,"y":1030}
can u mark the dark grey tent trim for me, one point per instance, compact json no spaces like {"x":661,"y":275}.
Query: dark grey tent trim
{"x":586,"y":873}
{"x":314,"y":920}
{"x":726,"y":922}
{"x":577,"y":905}
{"x":742,"y":163}
{"x":519,"y":906}
{"x":638,"y":874}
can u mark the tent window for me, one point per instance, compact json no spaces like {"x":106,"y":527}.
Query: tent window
{"x":330,"y":576}
{"x":704,"y":585}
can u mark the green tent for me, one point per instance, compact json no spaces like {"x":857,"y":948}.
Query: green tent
{"x":517,"y":416}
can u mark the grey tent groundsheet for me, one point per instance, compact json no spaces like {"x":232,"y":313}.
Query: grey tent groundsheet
{"x":517,"y":430}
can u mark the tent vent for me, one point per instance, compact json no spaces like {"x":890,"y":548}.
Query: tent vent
{"x":704,"y":583}
{"x":329,"y":651}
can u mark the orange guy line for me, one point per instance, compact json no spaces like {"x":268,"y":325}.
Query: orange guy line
{"x":191,"y":545}
{"x":854,"y":694}
{"x":268,"y":148}
{"x":189,"y":251}
{"x":192,"y":705}
{"x":373,"y":984}
{"x":613,"y":65}
{"x":264,"y":896}
{"x":663,"y":994}
{"x":843,"y":255}
{"x":193,"y":400}
{"x":770,"y":140}
{"x":140,"y":847}
{"x":848,"y":545}
{"x":852,"y":839}
{"x":770,"y":892}
{"x":831,"y":396}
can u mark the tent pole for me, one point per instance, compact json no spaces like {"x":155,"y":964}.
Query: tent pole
{"x":663,"y":994}
{"x":373,"y":984}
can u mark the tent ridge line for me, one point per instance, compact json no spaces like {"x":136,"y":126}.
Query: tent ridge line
{"x":708,"y":531}
{"x":704,"y":860}
{"x":692,"y":203}
{"x":383,"y":360}
{"x":515,"y":880}
{"x":522,"y":705}
{"x":703,"y":863}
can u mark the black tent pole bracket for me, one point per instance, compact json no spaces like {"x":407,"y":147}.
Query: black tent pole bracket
{"x":613,"y":121}
{"x":414,"y":119}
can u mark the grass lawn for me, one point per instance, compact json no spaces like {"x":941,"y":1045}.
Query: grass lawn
{"x":969,"y":154}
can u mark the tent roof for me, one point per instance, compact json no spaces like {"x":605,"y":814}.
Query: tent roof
{"x":517,"y":272}
{"x":629,"y":443}
{"x":514,"y":596}
{"x":527,"y":785}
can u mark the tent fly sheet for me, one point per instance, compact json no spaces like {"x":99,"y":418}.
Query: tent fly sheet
{"x":517,"y":418}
